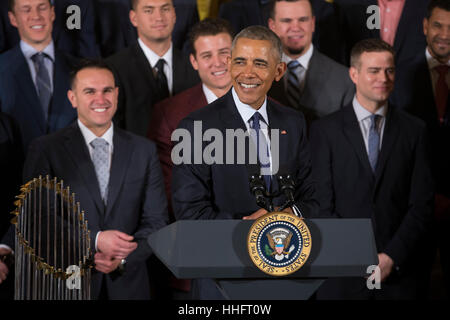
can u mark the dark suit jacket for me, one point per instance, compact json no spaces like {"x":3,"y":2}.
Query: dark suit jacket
{"x":115,"y":31}
{"x":414,"y":93}
{"x":11,"y":162}
{"x":19,"y":98}
{"x":136,"y":202}
{"x":201,"y":191}
{"x":137,"y":86}
{"x":398,"y":197}
{"x":79,"y":43}
{"x":166,"y":116}
{"x":222,"y":191}
{"x":327,"y":88}
{"x":409,"y":38}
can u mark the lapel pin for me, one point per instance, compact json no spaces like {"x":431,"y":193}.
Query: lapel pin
{"x":283,"y":132}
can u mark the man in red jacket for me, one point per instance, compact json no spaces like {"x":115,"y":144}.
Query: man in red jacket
{"x":211,"y":46}
{"x":210,"y":41}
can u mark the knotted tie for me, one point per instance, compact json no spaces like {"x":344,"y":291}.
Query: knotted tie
{"x":161,"y":80}
{"x":100,"y":158}
{"x":261,"y":147}
{"x":296,"y":73}
{"x":374,"y":141}
{"x":42,"y":82}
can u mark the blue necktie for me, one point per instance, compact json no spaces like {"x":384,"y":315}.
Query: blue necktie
{"x":294,"y":83}
{"x":100,"y":158}
{"x":374,"y":141}
{"x":43,"y":83}
{"x":261,"y":147}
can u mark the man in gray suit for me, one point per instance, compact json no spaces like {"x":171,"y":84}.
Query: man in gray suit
{"x":313,"y":83}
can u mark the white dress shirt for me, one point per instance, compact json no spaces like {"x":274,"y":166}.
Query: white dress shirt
{"x":210,"y":96}
{"x":363,"y":116}
{"x":246,"y":112}
{"x":153,"y":58}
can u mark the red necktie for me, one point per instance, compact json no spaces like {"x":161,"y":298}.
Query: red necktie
{"x":441,"y":91}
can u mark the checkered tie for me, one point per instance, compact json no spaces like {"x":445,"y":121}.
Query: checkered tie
{"x":261,"y":147}
{"x":100,"y":158}
{"x":374,"y":141}
{"x":43,"y":83}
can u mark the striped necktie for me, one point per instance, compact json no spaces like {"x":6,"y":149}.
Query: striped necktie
{"x":43,"y":83}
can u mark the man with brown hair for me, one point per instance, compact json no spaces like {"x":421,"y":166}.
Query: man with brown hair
{"x":370,"y":161}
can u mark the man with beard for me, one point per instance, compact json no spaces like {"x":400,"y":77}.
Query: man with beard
{"x":314,"y":83}
{"x":422,"y":89}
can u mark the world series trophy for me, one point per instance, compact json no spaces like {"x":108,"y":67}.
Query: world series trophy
{"x":53,"y":256}
{"x":278,"y":243}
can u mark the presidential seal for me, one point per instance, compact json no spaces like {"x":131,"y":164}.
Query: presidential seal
{"x":279,"y":243}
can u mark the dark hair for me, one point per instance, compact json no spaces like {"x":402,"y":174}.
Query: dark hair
{"x":89,"y":64}
{"x":11,"y":4}
{"x":272,"y":4}
{"x":208,"y":27}
{"x":133,"y":4}
{"x":368,"y":45}
{"x":441,"y":4}
{"x":257,"y":32}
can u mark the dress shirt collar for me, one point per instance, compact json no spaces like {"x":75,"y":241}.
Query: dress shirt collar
{"x":303,"y":60}
{"x":153,"y":58}
{"x":28,"y":51}
{"x":247,"y":111}
{"x":89,"y":136}
{"x":210,"y":96}
{"x":362,"y":113}
{"x":432,"y":62}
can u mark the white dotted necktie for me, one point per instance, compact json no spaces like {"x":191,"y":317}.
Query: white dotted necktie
{"x":100,"y":158}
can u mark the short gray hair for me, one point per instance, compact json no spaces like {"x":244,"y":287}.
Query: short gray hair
{"x":261,"y":33}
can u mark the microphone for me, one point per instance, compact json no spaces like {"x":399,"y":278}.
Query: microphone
{"x":258,"y":189}
{"x":257,"y":185}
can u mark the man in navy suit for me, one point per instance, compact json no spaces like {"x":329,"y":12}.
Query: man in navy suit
{"x":34,"y":75}
{"x":421,"y":88}
{"x":123,"y":195}
{"x":78,"y":42}
{"x":205,"y":190}
{"x":370,"y":160}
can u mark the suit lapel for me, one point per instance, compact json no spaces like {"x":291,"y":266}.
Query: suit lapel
{"x":144,"y":66}
{"x":122,"y":153}
{"x":391,"y":132}
{"x":78,"y":151}
{"x":402,"y":29}
{"x":177,"y":62}
{"x":313,"y":80}
{"x":25,"y":82}
{"x":353,"y":133}
{"x":230,"y":115}
{"x":60,"y":85}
